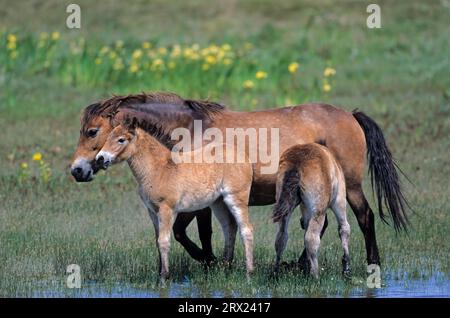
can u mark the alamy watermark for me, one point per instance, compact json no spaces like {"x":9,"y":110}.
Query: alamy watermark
{"x":73,"y":20}
{"x":374,"y":278}
{"x":374,"y":19}
{"x":238,"y":145}
{"x":74,"y":277}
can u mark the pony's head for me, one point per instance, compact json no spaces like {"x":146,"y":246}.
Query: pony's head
{"x":119,"y":146}
{"x":95,"y":128}
{"x":99,"y":119}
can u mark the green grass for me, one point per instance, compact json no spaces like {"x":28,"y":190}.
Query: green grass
{"x":398,"y":75}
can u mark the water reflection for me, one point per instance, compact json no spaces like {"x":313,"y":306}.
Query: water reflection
{"x":438,"y":285}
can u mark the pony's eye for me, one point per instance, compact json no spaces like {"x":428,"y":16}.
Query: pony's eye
{"x":121,"y":140}
{"x":92,"y":133}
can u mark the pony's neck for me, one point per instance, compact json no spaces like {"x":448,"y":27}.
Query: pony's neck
{"x":149,"y":159}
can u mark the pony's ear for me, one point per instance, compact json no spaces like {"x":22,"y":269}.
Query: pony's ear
{"x":131,"y":124}
{"x":134,"y":123}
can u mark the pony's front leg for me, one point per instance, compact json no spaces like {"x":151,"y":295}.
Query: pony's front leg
{"x":166,"y":219}
{"x":155,"y":222}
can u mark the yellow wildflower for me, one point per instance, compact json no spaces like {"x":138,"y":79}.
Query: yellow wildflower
{"x":146,"y":45}
{"x":134,"y":68}
{"x":157,"y":64}
{"x":37,"y":156}
{"x":176,"y":51}
{"x":136,"y":54}
{"x":329,"y":72}
{"x":24,"y":165}
{"x":162,"y":50}
{"x":227,"y":61}
{"x":104,"y":50}
{"x":112,"y":55}
{"x":55,"y":36}
{"x":11,"y":46}
{"x":188,"y":52}
{"x":211,"y":59}
{"x":119,"y":44}
{"x":171,"y":65}
{"x":293,"y":67}
{"x":118,"y":64}
{"x":248,"y":84}
{"x":98,"y":61}
{"x":326,"y":87}
{"x":12,"y":38}
{"x":226,"y":47}
{"x":261,"y":75}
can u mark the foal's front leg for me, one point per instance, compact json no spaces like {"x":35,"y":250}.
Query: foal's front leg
{"x":166,"y":219}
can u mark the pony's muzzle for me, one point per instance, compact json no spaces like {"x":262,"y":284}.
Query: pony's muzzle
{"x":81,"y":170}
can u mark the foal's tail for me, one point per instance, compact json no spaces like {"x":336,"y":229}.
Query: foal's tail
{"x":289,"y":197}
{"x":383,"y":173}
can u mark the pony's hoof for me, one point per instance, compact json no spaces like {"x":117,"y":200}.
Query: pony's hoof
{"x":347,"y":273}
{"x":209,"y":261}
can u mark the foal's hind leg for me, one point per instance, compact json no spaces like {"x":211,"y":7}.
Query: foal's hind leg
{"x":339,"y":208}
{"x":303,"y":259}
{"x":312,"y":240}
{"x":237,"y":205}
{"x":229,"y":228}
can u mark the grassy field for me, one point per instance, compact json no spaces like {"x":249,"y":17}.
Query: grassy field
{"x":248,"y":55}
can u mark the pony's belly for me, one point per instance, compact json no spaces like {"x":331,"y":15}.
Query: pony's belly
{"x":196,"y":201}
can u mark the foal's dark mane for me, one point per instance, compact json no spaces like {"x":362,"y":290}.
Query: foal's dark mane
{"x":200,"y":109}
{"x":153,"y":129}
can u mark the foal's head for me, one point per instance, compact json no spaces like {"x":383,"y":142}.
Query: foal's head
{"x":119,"y":146}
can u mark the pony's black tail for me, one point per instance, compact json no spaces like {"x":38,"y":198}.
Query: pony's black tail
{"x":383,"y":173}
{"x":289,"y":197}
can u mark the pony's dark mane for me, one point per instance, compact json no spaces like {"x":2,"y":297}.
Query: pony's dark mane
{"x":201,"y":109}
{"x":153,"y":129}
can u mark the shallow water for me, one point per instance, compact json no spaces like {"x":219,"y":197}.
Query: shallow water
{"x":437,"y":285}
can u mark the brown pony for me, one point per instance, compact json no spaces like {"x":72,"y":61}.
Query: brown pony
{"x":168,"y":188}
{"x":309,"y":176}
{"x":350,"y":137}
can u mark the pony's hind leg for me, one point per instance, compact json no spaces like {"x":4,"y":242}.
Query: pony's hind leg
{"x":204,"y":225}
{"x":312,"y":240}
{"x":229,"y":228}
{"x":339,"y":208}
{"x":179,"y":231}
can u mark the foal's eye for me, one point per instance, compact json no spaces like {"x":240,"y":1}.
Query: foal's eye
{"x":92,"y":132}
{"x":121,"y":140}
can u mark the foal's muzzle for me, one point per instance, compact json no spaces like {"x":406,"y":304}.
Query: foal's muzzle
{"x":102,"y":163}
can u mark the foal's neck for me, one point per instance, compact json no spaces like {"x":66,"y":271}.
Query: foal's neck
{"x":150,"y":158}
